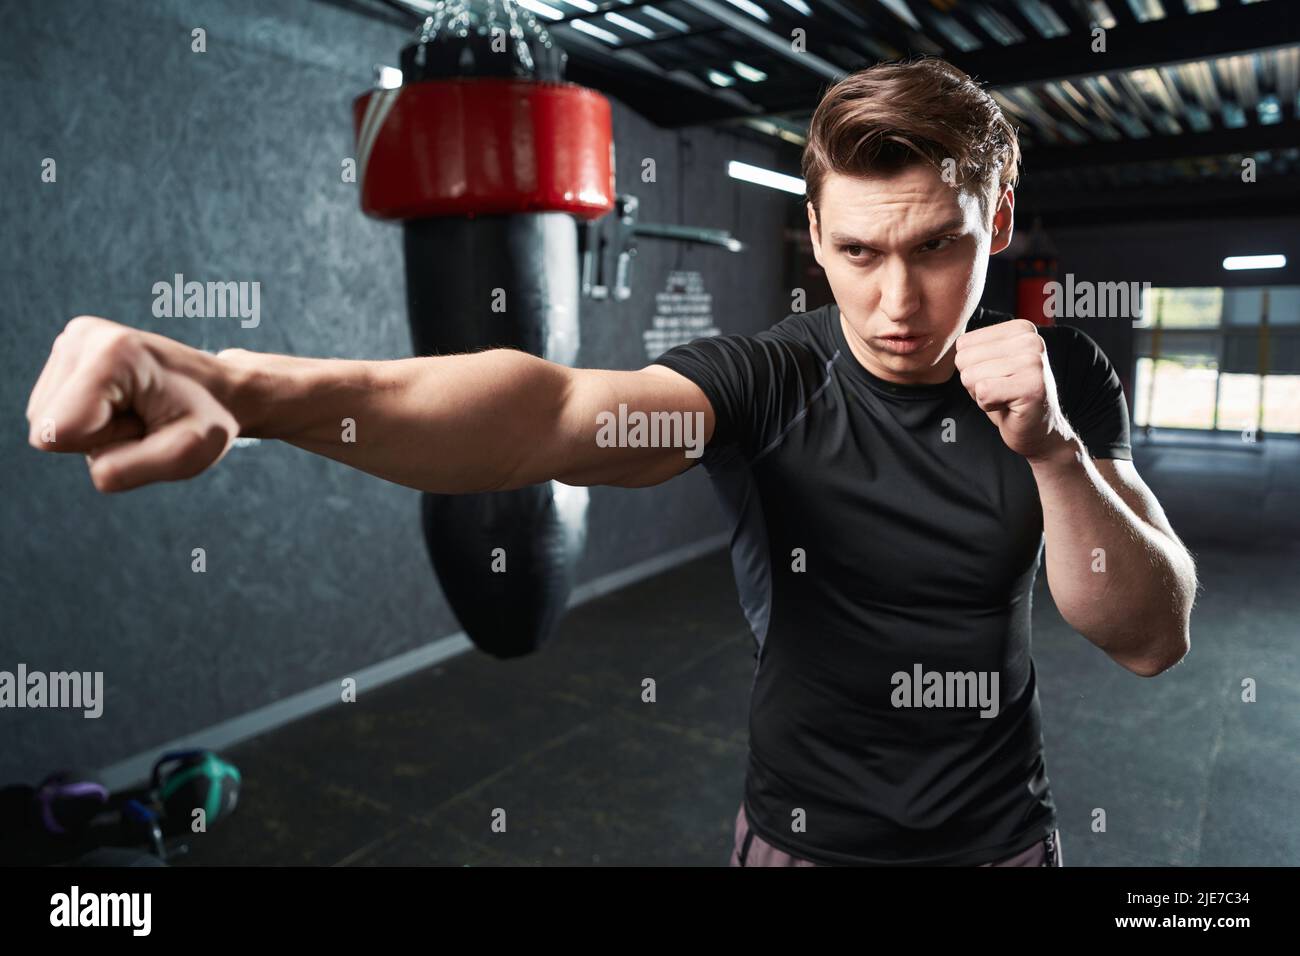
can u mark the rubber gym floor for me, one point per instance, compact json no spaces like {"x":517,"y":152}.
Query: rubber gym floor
{"x":1187,"y":773}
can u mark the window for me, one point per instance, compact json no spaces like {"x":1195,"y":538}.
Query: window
{"x":1219,"y":359}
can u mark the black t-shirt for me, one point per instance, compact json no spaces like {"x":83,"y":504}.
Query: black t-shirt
{"x":883,"y":532}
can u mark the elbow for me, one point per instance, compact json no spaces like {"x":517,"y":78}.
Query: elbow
{"x":1151,"y":667}
{"x":1173,"y":640}
{"x":1165,"y":656}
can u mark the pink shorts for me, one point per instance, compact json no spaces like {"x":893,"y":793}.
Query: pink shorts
{"x":752,"y":850}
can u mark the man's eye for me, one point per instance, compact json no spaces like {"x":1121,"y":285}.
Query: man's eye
{"x":929,"y":246}
{"x":848,"y":250}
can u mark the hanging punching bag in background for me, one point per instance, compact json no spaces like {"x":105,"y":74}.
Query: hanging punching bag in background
{"x":1035,"y":269}
{"x":486,"y":156}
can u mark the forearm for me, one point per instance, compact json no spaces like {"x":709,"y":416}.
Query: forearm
{"x":449,"y":424}
{"x":1123,"y":584}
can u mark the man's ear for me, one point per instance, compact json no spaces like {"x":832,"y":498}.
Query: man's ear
{"x":815,"y":232}
{"x":1003,"y":222}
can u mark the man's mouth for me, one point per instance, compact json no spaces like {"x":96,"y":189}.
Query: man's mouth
{"x":902,"y":344}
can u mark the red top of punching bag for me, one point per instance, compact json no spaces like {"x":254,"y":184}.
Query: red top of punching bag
{"x":484,"y":146}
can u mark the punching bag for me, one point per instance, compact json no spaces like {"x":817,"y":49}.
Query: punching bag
{"x":1033,"y":276}
{"x":1035,"y":272}
{"x":488,"y":158}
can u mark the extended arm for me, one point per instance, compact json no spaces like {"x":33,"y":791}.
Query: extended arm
{"x":146,"y":408}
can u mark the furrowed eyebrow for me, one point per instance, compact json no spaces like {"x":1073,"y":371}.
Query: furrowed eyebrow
{"x":939,"y":231}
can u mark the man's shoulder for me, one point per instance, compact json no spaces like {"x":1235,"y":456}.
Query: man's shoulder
{"x":802,"y":343}
{"x":797,"y":335}
{"x":800,"y":340}
{"x":803,"y":328}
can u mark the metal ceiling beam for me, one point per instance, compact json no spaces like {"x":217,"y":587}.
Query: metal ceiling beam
{"x":1223,"y":32}
{"x":766,"y":38}
{"x":1070,"y":16}
{"x":898,"y":33}
{"x":1018,"y":19}
{"x":614,"y":6}
{"x":672,"y":38}
{"x":636,"y":80}
{"x":1219,"y":142}
{"x":1126,"y":206}
{"x":1122,"y":13}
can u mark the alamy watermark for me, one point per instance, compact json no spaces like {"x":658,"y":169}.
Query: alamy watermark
{"x":947,"y":689}
{"x":76,"y":909}
{"x":651,"y":430}
{"x":208,"y":300}
{"x":1094,"y":300}
{"x":55,"y":689}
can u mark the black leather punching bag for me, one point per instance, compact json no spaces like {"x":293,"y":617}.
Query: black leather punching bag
{"x":487,"y":157}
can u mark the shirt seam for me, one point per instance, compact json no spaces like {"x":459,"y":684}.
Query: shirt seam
{"x":803,"y":412}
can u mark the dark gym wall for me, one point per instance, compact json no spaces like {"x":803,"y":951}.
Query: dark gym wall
{"x":1172,"y":255}
{"x":225,"y":166}
{"x":1179,"y":254}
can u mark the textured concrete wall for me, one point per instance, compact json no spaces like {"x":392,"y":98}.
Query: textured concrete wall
{"x":225,"y":165}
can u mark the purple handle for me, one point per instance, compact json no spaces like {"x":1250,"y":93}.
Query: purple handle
{"x":51,"y":792}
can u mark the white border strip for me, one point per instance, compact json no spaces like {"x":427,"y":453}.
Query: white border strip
{"x":136,"y":769}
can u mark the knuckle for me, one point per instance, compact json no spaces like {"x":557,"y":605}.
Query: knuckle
{"x":103,"y":478}
{"x":194,"y":452}
{"x":119,"y":345}
{"x":188,"y":447}
{"x":81,"y":325}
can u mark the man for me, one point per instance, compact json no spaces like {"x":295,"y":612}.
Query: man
{"x":892,"y":464}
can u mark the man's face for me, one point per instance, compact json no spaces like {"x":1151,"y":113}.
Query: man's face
{"x":905,"y":256}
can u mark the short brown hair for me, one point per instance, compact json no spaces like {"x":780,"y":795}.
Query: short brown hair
{"x":892,"y":115}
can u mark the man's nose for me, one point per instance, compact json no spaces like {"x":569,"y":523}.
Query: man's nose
{"x":899,"y":293}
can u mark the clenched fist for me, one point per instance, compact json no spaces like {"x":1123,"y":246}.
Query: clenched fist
{"x":139,"y":406}
{"x":1005,"y":369}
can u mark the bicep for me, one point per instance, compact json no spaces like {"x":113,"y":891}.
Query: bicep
{"x":632,"y":429}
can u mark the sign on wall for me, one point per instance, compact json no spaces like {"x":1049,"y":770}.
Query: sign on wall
{"x":683,"y":311}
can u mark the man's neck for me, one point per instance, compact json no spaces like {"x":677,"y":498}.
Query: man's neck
{"x":935,"y":374}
